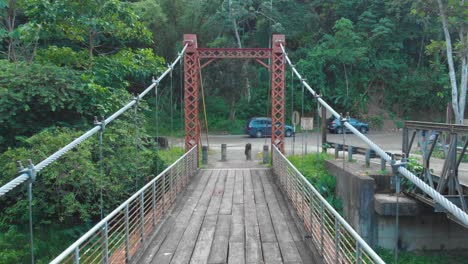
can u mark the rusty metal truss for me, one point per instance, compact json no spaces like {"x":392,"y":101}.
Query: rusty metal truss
{"x":446,"y":137}
{"x":192,"y":66}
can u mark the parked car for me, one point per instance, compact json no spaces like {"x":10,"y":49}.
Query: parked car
{"x":335,"y":126}
{"x":261,"y":126}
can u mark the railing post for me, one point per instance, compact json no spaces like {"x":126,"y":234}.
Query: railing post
{"x":311,"y":213}
{"x":153,"y":202}
{"x":106,"y":243}
{"x":337,"y":241}
{"x":368,"y":157}
{"x":303,"y":202}
{"x":171,"y":188}
{"x":77,"y":255}
{"x":358,"y":253}
{"x":350,"y":153}
{"x":163,"y":195}
{"x":127,"y":236}
{"x":321,"y":229}
{"x":142,"y":216}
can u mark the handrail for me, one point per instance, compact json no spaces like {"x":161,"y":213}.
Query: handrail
{"x":304,"y":202}
{"x":158,"y":194}
{"x":439,"y":198}
{"x":26,"y":174}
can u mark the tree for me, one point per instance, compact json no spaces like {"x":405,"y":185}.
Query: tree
{"x":453,"y":14}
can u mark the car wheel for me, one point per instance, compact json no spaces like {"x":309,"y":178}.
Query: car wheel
{"x":339,"y":130}
{"x":259,"y":134}
{"x":288,"y":133}
{"x":363,"y":129}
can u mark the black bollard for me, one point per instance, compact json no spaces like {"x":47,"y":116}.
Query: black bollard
{"x":248,"y":151}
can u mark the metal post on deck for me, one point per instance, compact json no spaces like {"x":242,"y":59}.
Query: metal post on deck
{"x":223,"y":152}
{"x":266,"y":154}
{"x":205,"y":155}
{"x":337,"y":150}
{"x":350,"y":153}
{"x":383,"y":164}
{"x":368,"y":157}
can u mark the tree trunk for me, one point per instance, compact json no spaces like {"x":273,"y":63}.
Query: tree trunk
{"x":453,"y":78}
{"x":10,"y":24}
{"x":244,"y":66}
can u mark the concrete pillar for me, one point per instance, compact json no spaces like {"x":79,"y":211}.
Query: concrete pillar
{"x":223,"y":152}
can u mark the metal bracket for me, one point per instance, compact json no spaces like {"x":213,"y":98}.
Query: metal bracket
{"x":30,"y":170}
{"x":102,"y":124}
{"x":345,"y":119}
{"x":137,"y":100}
{"x":155,"y":81}
{"x":400,"y":163}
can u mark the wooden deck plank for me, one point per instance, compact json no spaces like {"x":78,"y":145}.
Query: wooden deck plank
{"x":217,"y":194}
{"x":267,"y":232}
{"x":168,"y":248}
{"x":253,"y":247}
{"x":280,"y":218}
{"x":210,"y":199}
{"x":205,"y":239}
{"x":238,"y":197}
{"x":226,"y":203}
{"x":194,"y":191}
{"x":237,"y":224}
{"x":236,"y":253}
{"x":272,"y":253}
{"x":230,"y":216}
{"x":220,"y":246}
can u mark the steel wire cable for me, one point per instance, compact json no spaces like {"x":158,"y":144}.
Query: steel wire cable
{"x":46,"y":162}
{"x":439,"y":198}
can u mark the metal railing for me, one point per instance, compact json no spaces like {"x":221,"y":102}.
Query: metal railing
{"x":117,"y":237}
{"x":458,"y":213}
{"x":335,"y":240}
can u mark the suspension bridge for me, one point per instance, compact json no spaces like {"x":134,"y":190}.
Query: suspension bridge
{"x":225,"y":215}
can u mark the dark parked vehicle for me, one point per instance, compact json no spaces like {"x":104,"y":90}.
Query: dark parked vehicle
{"x":261,"y":126}
{"x":335,"y":126}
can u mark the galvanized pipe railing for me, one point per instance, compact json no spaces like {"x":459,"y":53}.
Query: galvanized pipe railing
{"x":117,"y":237}
{"x":335,"y":240}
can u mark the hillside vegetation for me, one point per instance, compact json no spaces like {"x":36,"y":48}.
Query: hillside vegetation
{"x":64,"y":62}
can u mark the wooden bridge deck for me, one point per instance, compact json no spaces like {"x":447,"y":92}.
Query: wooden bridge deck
{"x":229,"y":216}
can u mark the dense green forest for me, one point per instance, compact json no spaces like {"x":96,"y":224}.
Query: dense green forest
{"x":63,"y":62}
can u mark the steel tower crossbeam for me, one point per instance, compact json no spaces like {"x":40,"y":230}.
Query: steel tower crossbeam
{"x":192,"y":66}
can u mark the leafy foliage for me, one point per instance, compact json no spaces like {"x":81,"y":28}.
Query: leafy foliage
{"x":312,"y":166}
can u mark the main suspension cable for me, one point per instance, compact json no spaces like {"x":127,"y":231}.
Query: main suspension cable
{"x":439,"y":198}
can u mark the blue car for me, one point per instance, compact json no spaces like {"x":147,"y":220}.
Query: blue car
{"x":334,"y":126}
{"x":261,"y":126}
